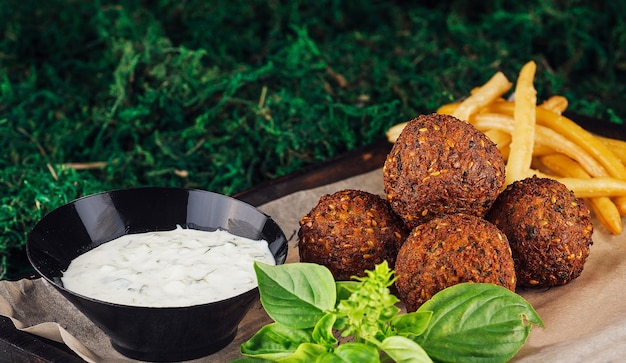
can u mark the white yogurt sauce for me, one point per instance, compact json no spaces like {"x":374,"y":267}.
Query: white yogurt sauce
{"x":182,"y":267}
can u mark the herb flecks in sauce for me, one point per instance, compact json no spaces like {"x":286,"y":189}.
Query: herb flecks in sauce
{"x":181,"y":267}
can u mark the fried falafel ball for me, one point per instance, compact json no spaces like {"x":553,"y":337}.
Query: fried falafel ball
{"x":449,"y":250}
{"x":350,"y":231}
{"x":442,"y":165}
{"x":548,"y":228}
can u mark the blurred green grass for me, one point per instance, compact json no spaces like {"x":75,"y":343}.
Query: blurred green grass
{"x":223,"y":95}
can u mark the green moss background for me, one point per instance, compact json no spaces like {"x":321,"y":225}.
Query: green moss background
{"x":223,"y":95}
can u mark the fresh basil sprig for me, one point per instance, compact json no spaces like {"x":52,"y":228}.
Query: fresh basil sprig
{"x":319,"y":320}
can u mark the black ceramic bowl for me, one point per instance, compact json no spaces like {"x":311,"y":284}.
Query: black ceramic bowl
{"x":146,"y":333}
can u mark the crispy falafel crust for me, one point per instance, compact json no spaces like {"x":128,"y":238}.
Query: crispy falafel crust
{"x":350,"y":231}
{"x":449,"y":250}
{"x":548,"y":228}
{"x":442,"y":165}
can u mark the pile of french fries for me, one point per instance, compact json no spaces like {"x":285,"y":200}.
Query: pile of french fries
{"x":536,"y":139}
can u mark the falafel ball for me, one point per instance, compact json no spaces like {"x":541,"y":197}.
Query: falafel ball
{"x":350,"y":231}
{"x":442,"y":165}
{"x":449,"y":250}
{"x":548,"y":228}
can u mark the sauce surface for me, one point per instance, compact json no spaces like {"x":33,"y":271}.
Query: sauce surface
{"x":182,"y":267}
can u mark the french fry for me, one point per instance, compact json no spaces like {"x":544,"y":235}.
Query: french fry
{"x":573,"y":132}
{"x":497,"y":85}
{"x":449,"y":108}
{"x":502,"y":139}
{"x":523,"y":136}
{"x":604,"y":186}
{"x":545,"y":137}
{"x":562,"y":165}
{"x":541,"y":149}
{"x":585,"y":139}
{"x":498,"y":137}
{"x":617,"y":146}
{"x":603,"y":207}
{"x":607,"y":213}
{"x":600,"y":148}
{"x":620,"y":202}
{"x":556,"y":104}
{"x":394,"y":131}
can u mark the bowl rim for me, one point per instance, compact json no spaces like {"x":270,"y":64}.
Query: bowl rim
{"x":58,"y":285}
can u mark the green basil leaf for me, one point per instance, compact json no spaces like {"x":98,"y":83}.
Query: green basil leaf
{"x":328,"y":357}
{"x":475,"y":322}
{"x":414,"y":323}
{"x":340,"y":323}
{"x":323,"y":331}
{"x":250,"y":360}
{"x":346,"y":288}
{"x":358,"y":352}
{"x":297,"y":294}
{"x":404,"y":350}
{"x":274,"y":341}
{"x":306,"y":353}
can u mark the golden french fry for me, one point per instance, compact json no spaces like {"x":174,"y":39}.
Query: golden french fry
{"x":523,"y":136}
{"x":502,"y":139}
{"x":603,"y":207}
{"x":556,"y":104}
{"x":607,"y":213}
{"x":573,"y":132}
{"x":603,"y":186}
{"x":562,"y":165}
{"x":394,"y":131}
{"x":541,"y":149}
{"x":498,"y":137}
{"x":584,"y":139}
{"x":545,"y":137}
{"x":448,"y":109}
{"x":620,"y":202}
{"x":497,"y":85}
{"x":617,"y":146}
